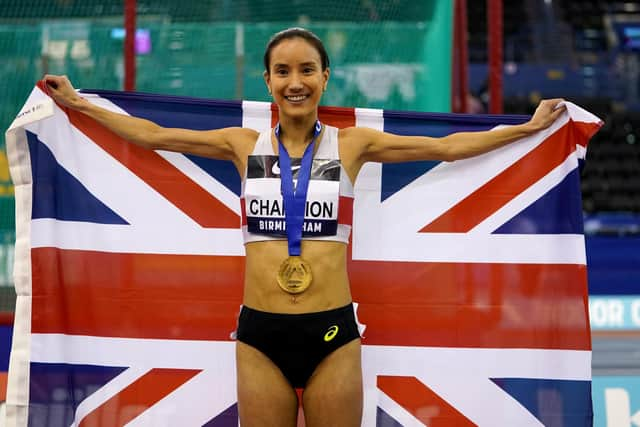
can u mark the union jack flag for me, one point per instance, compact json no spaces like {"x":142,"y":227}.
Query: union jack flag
{"x":470,"y":276}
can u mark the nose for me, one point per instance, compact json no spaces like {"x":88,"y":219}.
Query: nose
{"x":295,"y":83}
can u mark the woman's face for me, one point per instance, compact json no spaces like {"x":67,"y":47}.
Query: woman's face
{"x":296,"y":79}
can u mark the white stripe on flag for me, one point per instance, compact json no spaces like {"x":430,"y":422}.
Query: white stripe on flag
{"x":460,"y":375}
{"x":256,"y":115}
{"x":203,"y":179}
{"x":392,"y":243}
{"x":579,"y":114}
{"x":103,"y":176}
{"x":148,"y":353}
{"x":109,"y":390}
{"x":395,"y":411}
{"x":527,"y":197}
{"x":448,"y":183}
{"x":129,"y":239}
{"x":194,"y":403}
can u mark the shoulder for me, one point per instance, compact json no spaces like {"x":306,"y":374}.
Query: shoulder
{"x":240,"y":134}
{"x":355,"y":135}
{"x":240,"y":141}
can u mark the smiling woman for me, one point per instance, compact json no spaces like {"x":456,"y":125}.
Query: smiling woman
{"x":296,"y":72}
{"x":297,"y":327}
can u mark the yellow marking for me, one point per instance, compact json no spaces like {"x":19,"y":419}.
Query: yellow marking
{"x":4,"y":168}
{"x":331,"y":333}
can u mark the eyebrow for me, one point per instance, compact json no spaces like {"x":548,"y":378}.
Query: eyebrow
{"x":304,"y":64}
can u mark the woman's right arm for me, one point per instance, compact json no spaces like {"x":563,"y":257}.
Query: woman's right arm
{"x":227,"y":144}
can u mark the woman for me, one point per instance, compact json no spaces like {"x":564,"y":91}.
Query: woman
{"x":297,"y":327}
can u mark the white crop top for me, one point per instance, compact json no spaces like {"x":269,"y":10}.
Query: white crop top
{"x":329,"y":207}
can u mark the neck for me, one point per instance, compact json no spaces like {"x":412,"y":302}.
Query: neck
{"x":295,"y":132}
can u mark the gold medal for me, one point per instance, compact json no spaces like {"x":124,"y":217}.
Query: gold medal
{"x":294,"y":275}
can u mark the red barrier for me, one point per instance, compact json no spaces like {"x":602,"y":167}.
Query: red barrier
{"x":6,"y":318}
{"x":129,"y":45}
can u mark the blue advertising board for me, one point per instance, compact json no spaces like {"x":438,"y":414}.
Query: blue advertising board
{"x":616,"y":401}
{"x":614,"y":312}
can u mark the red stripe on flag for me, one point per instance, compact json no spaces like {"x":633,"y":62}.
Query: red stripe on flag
{"x":413,"y":304}
{"x":135,"y":295}
{"x":275,"y":115}
{"x":500,"y":190}
{"x":137,"y":397}
{"x":243,"y":212}
{"x":340,"y":117}
{"x":585,"y":131}
{"x":422,"y":402}
{"x":4,"y":379}
{"x":472,"y":304}
{"x":345,"y":210}
{"x":161,"y":175}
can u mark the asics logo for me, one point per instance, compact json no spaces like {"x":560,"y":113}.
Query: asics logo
{"x":331,"y":333}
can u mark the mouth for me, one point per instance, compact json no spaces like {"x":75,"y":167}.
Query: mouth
{"x":296,"y":98}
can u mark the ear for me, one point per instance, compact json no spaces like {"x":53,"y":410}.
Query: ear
{"x":267,"y":81}
{"x":326,"y":73}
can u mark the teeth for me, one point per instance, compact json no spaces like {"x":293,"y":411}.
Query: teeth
{"x":296,"y":98}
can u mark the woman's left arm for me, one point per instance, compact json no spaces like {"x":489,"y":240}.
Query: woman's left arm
{"x":379,"y":146}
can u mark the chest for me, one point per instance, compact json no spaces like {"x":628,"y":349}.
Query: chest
{"x":263,"y":201}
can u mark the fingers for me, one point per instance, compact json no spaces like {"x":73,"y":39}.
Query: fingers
{"x":51,"y":80}
{"x":558,"y":110}
{"x":554,"y":104}
{"x":559,"y":106}
{"x":51,"y":83}
{"x":547,"y":112}
{"x":551,"y":107}
{"x":56,"y":82}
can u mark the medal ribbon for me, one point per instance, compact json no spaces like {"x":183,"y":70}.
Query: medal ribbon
{"x":294,"y":201}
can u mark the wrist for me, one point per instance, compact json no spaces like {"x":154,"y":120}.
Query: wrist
{"x":531,"y":127}
{"x":80,"y":104}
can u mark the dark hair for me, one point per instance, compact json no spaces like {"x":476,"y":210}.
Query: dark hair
{"x":291,"y":33}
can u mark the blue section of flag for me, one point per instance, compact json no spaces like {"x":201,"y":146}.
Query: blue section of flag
{"x":553,"y":402}
{"x":6,"y":332}
{"x":224,"y":171}
{"x":188,"y":113}
{"x":56,"y":390}
{"x":227,"y":418}
{"x":385,"y":420}
{"x":397,"y":176}
{"x":581,"y":163}
{"x":58,"y":194}
{"x":556,"y":212}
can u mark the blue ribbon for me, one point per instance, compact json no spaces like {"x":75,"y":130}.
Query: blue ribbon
{"x":294,"y":201}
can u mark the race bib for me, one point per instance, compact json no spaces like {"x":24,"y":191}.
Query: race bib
{"x":263,"y":199}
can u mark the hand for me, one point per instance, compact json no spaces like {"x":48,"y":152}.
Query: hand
{"x":61,"y":90}
{"x":547,"y":112}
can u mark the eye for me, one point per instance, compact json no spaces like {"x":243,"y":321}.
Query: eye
{"x":282,"y":72}
{"x":308,"y":70}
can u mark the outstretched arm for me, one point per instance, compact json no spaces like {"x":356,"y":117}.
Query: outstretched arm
{"x":379,"y":146}
{"x":226,"y":144}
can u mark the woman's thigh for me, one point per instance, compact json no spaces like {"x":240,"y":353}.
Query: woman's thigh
{"x":265,"y":397}
{"x":333,"y":395}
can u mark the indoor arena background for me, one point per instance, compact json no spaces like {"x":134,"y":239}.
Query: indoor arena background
{"x":391,"y":54}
